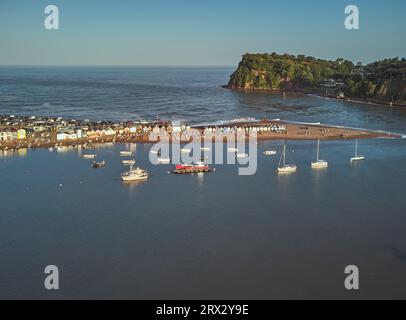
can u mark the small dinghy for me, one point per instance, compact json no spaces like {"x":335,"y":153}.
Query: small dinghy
{"x":270,"y":153}
{"x":128,"y":162}
{"x":164,"y":160}
{"x":242,"y":155}
{"x":126,"y":153}
{"x":186,"y":150}
{"x":101,"y":164}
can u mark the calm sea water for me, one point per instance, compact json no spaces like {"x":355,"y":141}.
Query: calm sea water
{"x":217,"y":236}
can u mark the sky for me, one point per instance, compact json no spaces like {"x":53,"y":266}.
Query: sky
{"x":196,"y":32}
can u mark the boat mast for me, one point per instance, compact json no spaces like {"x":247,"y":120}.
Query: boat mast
{"x":356,"y":147}
{"x":284,"y":154}
{"x":318,"y":150}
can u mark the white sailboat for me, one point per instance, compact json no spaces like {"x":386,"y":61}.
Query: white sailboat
{"x":284,"y":168}
{"x":357,"y":157}
{"x":319,"y":164}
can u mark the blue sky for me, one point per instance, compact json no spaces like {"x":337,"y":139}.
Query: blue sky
{"x":205,"y":32}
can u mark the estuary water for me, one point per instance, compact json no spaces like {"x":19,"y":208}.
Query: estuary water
{"x":217,"y":236}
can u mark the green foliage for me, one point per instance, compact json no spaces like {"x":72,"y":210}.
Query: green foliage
{"x":277,"y":72}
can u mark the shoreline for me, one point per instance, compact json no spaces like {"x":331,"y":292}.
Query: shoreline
{"x":286,"y":131}
{"x":357,"y":100}
{"x":349,"y":99}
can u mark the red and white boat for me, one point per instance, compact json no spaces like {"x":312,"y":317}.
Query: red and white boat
{"x":200,"y":167}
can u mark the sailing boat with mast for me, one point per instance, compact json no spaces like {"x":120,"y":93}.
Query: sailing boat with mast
{"x":357,"y":157}
{"x":319,"y":164}
{"x":284,"y":168}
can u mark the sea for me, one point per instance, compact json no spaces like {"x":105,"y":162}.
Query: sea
{"x":214,"y":236}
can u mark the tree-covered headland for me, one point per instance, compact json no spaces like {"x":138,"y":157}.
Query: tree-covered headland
{"x":383,"y":81}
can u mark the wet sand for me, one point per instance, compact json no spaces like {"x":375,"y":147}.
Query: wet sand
{"x":304,"y":131}
{"x":322,"y":132}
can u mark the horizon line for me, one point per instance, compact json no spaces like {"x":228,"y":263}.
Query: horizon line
{"x":117,"y":65}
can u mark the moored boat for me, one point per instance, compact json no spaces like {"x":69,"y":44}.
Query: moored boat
{"x":319,"y":164}
{"x":130,"y":162}
{"x":89,"y":156}
{"x":242,"y":155}
{"x":134,"y":174}
{"x":126,"y":153}
{"x":164,"y":160}
{"x":357,"y":157}
{"x":100,"y":164}
{"x":284,"y":168}
{"x":186,"y":150}
{"x":270,"y":153}
{"x":200,"y":167}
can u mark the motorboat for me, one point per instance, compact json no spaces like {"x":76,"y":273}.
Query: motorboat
{"x":100,"y":164}
{"x":199,"y":167}
{"x":134,"y":174}
{"x":89,"y":156}
{"x":270,"y":153}
{"x":242,"y":155}
{"x":126,"y":153}
{"x":130,"y":162}
{"x":186,"y":150}
{"x":164,"y":160}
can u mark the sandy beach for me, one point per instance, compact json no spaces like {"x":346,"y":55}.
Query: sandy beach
{"x":292,"y":131}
